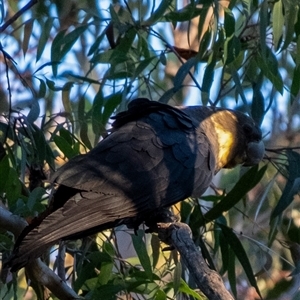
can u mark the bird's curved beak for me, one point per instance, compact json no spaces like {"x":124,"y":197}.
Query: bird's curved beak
{"x":255,"y":152}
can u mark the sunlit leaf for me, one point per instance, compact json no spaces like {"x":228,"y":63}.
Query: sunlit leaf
{"x":184,"y":288}
{"x":160,"y":295}
{"x":278,"y":25}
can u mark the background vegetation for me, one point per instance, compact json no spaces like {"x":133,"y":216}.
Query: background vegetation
{"x":68,"y":66}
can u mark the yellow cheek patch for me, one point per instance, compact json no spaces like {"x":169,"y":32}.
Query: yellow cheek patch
{"x":225,"y":141}
{"x":225,"y":137}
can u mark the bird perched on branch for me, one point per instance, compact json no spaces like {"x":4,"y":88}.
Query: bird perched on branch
{"x":156,"y":155}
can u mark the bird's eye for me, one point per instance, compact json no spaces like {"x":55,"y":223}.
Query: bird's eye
{"x":248,"y":129}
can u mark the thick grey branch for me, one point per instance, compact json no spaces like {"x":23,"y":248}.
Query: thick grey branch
{"x":37,"y":270}
{"x":209,"y":281}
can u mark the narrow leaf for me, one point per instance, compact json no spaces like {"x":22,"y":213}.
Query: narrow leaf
{"x":184,"y":70}
{"x":140,"y":248}
{"x":241,"y":254}
{"x":46,"y":28}
{"x":231,"y":271}
{"x":64,"y":146}
{"x":27,"y":34}
{"x":247,"y":182}
{"x":184,"y":288}
{"x":292,"y":186}
{"x":34,"y":112}
{"x":278,"y":25}
{"x":177,"y":277}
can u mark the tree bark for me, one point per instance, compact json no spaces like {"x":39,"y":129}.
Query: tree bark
{"x":37,"y":270}
{"x":208,"y":281}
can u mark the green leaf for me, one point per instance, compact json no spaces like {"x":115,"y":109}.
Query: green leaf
{"x":231,"y":271}
{"x":64,"y":146}
{"x":42,"y":89}
{"x":110,"y":104}
{"x":67,"y":135}
{"x":46,"y":28}
{"x":159,"y":12}
{"x":292,"y":186}
{"x":107,"y":292}
{"x":184,"y":70}
{"x":247,"y":182}
{"x":83,"y":123}
{"x":187,"y":13}
{"x":34,"y":112}
{"x":278,"y":24}
{"x":27,"y":34}
{"x":125,"y":43}
{"x":92,"y":261}
{"x":155,"y":245}
{"x":196,"y":220}
{"x":263,"y":25}
{"x":106,"y":57}
{"x":35,"y":197}
{"x":70,"y":39}
{"x":97,"y":43}
{"x":229,"y":23}
{"x":142,"y":66}
{"x":291,"y":14}
{"x":4,"y":171}
{"x":177,"y":277}
{"x":209,"y":73}
{"x":160,"y":295}
{"x":295,"y":87}
{"x":184,"y":288}
{"x":13,"y":187}
{"x":258,"y":102}
{"x":232,"y":48}
{"x":169,"y":94}
{"x":141,"y":250}
{"x":58,"y":41}
{"x":224,"y":247}
{"x":269,"y":66}
{"x":105,"y":272}
{"x":241,"y":254}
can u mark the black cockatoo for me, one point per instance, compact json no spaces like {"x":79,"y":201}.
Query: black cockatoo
{"x":156,"y":155}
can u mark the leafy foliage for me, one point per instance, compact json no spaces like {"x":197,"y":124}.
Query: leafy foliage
{"x":68,"y":66}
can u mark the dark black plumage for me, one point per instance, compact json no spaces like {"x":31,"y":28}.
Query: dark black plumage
{"x":155,"y":156}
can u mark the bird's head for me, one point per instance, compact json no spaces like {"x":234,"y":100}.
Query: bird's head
{"x":234,"y":136}
{"x":239,"y":139}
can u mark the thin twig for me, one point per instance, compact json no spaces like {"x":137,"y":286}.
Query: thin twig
{"x":17,"y":15}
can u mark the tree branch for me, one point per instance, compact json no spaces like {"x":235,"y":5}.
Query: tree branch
{"x":18,"y":14}
{"x":37,"y":270}
{"x":208,"y":281}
